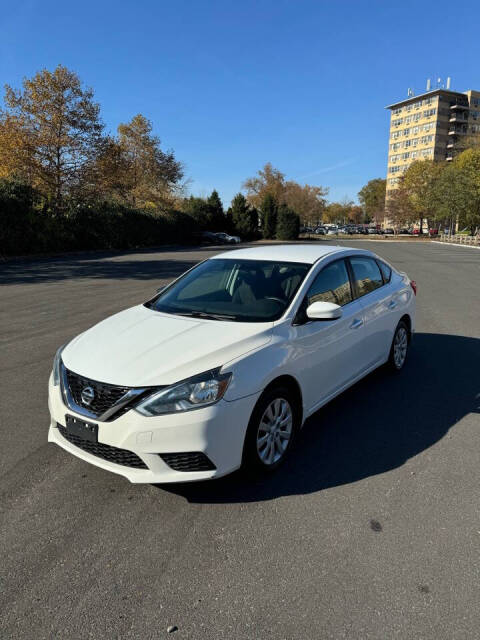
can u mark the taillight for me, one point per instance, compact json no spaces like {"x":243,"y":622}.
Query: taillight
{"x":413,"y":284}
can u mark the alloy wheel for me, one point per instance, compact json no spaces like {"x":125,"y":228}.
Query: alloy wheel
{"x":400,"y":344}
{"x":274,"y":431}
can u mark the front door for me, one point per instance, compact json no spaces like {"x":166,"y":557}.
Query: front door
{"x":329,"y":353}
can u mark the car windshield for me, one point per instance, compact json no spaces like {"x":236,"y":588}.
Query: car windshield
{"x":236,"y":290}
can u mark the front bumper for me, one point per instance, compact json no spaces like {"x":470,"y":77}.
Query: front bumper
{"x":218,"y":431}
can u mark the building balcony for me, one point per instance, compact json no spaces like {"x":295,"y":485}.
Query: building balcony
{"x":449,"y":158}
{"x":459,"y":117}
{"x":459,"y":106}
{"x":450,"y":145}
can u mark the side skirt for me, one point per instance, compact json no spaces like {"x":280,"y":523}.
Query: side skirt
{"x":350,"y":383}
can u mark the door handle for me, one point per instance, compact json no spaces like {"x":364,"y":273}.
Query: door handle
{"x":392,"y":304}
{"x":356,"y":323}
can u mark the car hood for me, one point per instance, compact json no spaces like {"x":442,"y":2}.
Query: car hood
{"x":141,"y":347}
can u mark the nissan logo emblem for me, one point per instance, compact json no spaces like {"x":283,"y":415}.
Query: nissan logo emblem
{"x":87,"y":395}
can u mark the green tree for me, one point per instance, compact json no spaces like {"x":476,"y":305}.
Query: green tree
{"x":419,"y":181}
{"x":49,"y":131}
{"x":372,"y":199}
{"x":245,"y":217}
{"x":399,"y":209}
{"x":268,"y":212}
{"x":288,"y":223}
{"x":466,"y":171}
{"x":449,"y":194}
{"x":200,"y":211}
{"x":216,"y":210}
{"x":208,"y":212}
{"x":229,"y":226}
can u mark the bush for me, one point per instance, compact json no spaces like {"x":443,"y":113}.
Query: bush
{"x":288,"y":224}
{"x":27,"y":228}
{"x":16,"y":216}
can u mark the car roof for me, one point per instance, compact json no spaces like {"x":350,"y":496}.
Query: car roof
{"x":306,"y":253}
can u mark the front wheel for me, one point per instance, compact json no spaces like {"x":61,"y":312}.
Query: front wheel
{"x":271,"y":431}
{"x":398,"y":351}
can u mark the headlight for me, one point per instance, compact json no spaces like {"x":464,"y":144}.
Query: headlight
{"x":56,"y":366}
{"x":199,"y":391}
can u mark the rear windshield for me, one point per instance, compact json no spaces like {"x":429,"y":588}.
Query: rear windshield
{"x":236,"y":290}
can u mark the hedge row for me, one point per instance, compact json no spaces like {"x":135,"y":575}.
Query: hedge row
{"x":25,"y":228}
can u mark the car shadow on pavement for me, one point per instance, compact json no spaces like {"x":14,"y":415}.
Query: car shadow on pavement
{"x":74,"y":269}
{"x":135,"y":264}
{"x":377,"y":425}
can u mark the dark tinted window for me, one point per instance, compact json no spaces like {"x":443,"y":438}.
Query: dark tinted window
{"x":366,"y":274}
{"x":241,"y":290}
{"x":386,"y":271}
{"x":331,"y":285}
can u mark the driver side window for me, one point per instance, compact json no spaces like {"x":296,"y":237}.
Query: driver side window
{"x":332,"y":284}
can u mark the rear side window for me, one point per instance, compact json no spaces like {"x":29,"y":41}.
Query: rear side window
{"x":385,"y":269}
{"x":366,"y":275}
{"x":331,"y":285}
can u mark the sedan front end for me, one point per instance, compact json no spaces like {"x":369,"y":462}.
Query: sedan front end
{"x":132,"y":433}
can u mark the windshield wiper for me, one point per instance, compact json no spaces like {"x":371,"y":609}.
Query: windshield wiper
{"x":203,"y":314}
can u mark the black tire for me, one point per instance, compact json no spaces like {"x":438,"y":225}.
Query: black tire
{"x":396,"y":361}
{"x":252,"y":461}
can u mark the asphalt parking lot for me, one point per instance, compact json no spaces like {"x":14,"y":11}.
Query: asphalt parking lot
{"x":371,"y":530}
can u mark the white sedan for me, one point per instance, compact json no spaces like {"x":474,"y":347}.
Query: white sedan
{"x":222,"y":367}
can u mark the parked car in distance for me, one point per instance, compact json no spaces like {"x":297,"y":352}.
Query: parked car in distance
{"x":221,"y":368}
{"x":227,"y":238}
{"x":320,"y":231}
{"x":433,"y":232}
{"x":333,"y":231}
{"x":389,"y":232}
{"x":372,"y":230}
{"x":219,"y":238}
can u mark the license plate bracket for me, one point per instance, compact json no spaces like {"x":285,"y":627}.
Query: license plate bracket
{"x":81,"y":428}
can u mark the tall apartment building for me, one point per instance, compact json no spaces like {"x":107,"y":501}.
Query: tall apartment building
{"x":430,"y":125}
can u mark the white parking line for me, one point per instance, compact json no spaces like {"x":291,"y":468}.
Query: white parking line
{"x":455,"y":244}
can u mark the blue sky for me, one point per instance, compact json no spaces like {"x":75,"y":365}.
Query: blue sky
{"x":232,"y":85}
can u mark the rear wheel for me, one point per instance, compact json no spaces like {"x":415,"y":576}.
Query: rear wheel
{"x":398,"y":352}
{"x":271,"y":430}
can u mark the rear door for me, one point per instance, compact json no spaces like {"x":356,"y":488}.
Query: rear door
{"x":376,"y":294}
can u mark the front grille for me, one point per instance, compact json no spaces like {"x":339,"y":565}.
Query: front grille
{"x":104,"y":451}
{"x":192,"y":461}
{"x":105,"y":395}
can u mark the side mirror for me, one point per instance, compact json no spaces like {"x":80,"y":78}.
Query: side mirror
{"x":324,"y":311}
